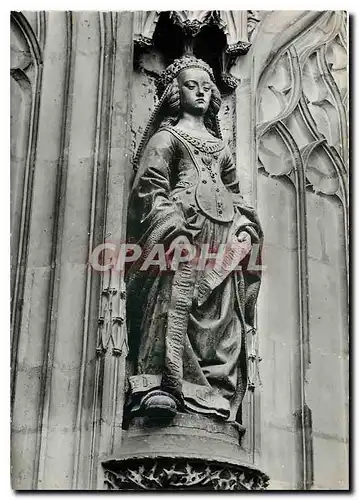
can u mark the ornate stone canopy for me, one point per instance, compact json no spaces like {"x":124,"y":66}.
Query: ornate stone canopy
{"x":236,"y":26}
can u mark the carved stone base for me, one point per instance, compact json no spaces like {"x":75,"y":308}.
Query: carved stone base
{"x":189,"y":452}
{"x":177,"y":474}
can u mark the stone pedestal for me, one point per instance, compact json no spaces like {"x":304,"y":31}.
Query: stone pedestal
{"x":189,"y":452}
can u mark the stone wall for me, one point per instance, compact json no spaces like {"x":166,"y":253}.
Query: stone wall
{"x":71,"y":78}
{"x":78,"y":108}
{"x":302,"y":146}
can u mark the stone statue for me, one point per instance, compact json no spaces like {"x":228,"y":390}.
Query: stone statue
{"x":187,"y":326}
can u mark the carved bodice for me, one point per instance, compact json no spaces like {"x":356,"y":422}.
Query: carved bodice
{"x":198,"y":182}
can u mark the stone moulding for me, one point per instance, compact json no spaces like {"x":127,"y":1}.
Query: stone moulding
{"x":30,"y":86}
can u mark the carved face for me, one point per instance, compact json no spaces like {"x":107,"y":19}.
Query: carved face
{"x":195,"y":88}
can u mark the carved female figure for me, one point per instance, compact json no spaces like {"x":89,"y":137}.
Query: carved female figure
{"x":187,"y":328}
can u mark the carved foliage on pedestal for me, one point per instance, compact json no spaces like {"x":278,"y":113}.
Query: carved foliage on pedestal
{"x":184,"y":475}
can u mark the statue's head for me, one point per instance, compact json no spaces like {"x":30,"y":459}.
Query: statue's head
{"x":188,"y":84}
{"x":195,"y":90}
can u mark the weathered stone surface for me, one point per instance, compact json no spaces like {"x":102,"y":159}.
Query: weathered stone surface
{"x":76,"y":98}
{"x":184,"y":435}
{"x":309,"y":353}
{"x":199,"y":453}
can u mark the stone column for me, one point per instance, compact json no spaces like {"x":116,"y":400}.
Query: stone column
{"x":63,"y":71}
{"x":111,"y":344}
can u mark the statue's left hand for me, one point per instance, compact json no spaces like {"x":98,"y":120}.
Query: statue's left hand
{"x":244,"y":237}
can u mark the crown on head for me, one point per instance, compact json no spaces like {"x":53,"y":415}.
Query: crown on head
{"x":168,"y":75}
